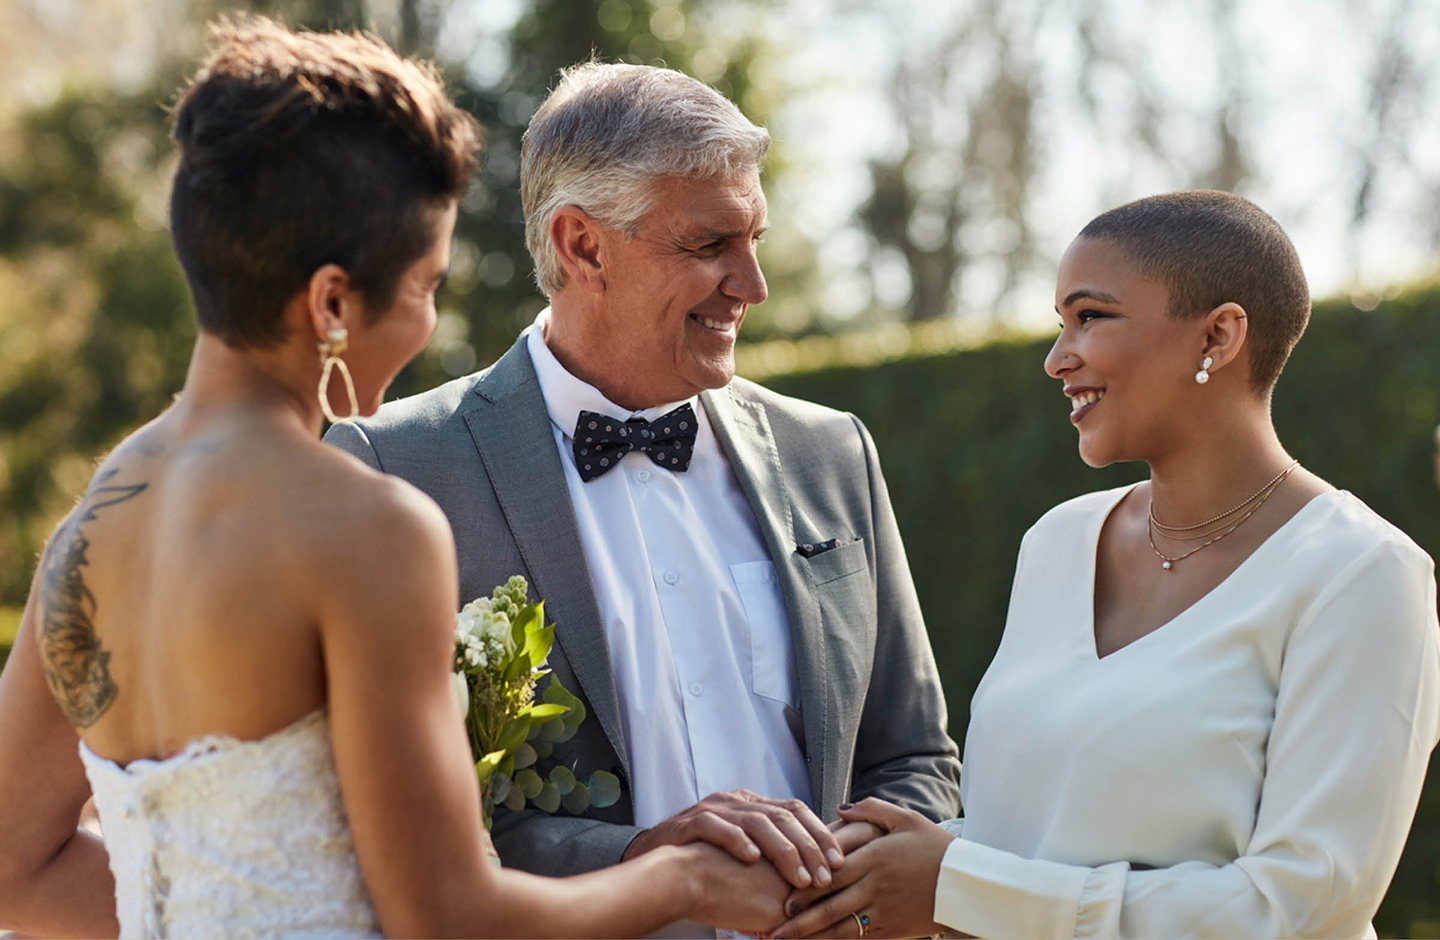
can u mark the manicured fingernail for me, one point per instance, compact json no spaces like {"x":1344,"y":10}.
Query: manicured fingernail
{"x":847,"y":805}
{"x":751,"y":848}
{"x":835,"y":857}
{"x":803,"y":873}
{"x":822,"y":875}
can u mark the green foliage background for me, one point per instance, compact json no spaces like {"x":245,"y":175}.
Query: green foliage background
{"x":976,"y":445}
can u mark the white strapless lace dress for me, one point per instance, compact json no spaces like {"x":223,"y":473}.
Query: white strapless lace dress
{"x":233,"y":838}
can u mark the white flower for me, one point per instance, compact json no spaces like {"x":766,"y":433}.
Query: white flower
{"x":462,"y":694}
{"x":497,"y":630}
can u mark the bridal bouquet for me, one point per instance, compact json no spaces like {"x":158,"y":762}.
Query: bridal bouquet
{"x":501,"y":647}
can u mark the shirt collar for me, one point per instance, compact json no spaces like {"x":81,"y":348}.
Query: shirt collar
{"x":566,"y":396}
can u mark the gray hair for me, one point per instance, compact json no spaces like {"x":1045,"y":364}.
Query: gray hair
{"x":607,"y":132}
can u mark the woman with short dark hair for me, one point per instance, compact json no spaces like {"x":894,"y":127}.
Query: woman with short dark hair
{"x":251,"y":632}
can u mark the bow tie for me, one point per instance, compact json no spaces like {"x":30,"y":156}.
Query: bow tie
{"x":600,"y":441}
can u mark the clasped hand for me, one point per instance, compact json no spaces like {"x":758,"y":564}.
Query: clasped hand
{"x":738,"y":889}
{"x":891,"y":868}
{"x":878,"y":858}
{"x":749,"y":826}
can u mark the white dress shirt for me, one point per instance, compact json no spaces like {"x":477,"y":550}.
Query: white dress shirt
{"x":1249,"y":769}
{"x":697,"y":630}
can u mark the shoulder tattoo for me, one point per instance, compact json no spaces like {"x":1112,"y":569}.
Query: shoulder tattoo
{"x":76,"y":664}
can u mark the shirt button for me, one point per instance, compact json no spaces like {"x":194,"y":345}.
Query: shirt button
{"x":696,"y":688}
{"x":643,"y":476}
{"x":672,"y":577}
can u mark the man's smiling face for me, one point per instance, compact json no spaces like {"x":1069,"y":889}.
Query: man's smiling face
{"x":677,"y":290}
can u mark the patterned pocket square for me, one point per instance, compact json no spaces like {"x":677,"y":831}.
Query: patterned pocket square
{"x":811,"y":549}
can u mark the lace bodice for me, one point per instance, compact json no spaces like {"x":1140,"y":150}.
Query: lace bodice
{"x":232,"y":838}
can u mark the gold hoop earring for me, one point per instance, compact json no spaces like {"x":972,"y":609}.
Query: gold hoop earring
{"x":330,"y":349}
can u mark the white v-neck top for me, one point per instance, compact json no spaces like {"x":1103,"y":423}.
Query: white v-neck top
{"x":1249,"y":769}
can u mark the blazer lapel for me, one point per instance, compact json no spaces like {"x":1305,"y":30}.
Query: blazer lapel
{"x":511,"y":430}
{"x":743,"y":430}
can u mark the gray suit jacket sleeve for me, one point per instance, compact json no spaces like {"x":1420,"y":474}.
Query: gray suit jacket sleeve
{"x":559,"y":845}
{"x":902,"y":752}
{"x":531,"y":840}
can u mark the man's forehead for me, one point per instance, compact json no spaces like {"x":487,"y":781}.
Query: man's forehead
{"x":729,"y":201}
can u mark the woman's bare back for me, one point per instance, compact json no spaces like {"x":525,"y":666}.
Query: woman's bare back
{"x":181,"y":596}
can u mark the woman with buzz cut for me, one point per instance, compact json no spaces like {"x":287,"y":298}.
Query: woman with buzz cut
{"x":1218,"y":689}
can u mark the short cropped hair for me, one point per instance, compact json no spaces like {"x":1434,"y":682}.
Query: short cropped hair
{"x":303,"y":149}
{"x":608,"y":132}
{"x":1209,"y":248}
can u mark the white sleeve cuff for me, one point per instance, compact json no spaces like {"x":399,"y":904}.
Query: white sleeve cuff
{"x":991,"y":893}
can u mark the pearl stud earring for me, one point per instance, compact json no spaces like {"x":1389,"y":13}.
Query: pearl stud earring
{"x":1203,"y":375}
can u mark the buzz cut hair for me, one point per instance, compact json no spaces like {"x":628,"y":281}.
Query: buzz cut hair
{"x":1209,"y":248}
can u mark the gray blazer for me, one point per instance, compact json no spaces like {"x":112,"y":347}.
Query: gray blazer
{"x":873,"y":712}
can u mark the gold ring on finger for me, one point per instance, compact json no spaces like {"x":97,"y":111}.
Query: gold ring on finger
{"x":862,"y":922}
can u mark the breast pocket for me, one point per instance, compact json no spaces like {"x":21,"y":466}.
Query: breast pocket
{"x":839,"y":562}
{"x":772,"y":657}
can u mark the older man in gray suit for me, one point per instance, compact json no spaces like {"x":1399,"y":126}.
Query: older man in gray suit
{"x":732,"y":597}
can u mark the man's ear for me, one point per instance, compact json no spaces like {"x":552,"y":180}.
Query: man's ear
{"x":1226,"y":330}
{"x":576,"y":236}
{"x":331,"y":300}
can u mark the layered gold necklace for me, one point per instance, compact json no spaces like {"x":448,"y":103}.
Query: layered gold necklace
{"x":1223,"y":524}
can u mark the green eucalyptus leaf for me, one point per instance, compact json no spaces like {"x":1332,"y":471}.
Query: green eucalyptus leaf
{"x":604,"y":788}
{"x":569,"y":732}
{"x":515,"y":799}
{"x":507,"y":766}
{"x":552,"y":729}
{"x":548,"y":798}
{"x":577,"y":801}
{"x":499,"y":789}
{"x":529,"y":782}
{"x":557,"y":693}
{"x":543,"y":748}
{"x":563,"y":778}
{"x":525,"y":756}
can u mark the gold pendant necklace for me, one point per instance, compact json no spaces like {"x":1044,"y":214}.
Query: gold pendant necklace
{"x":1258,"y":499}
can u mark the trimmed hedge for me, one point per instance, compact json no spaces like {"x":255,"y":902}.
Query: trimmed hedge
{"x":976,"y":445}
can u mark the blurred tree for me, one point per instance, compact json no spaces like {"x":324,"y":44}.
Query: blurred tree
{"x":94,"y":314}
{"x":987,"y":97}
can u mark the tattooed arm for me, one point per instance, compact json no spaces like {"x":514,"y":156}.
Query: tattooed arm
{"x":54,"y":877}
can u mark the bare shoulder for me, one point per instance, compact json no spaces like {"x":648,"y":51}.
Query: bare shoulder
{"x":387,"y":586}
{"x":356,"y":512}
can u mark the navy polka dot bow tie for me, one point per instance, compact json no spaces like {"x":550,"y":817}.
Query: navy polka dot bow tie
{"x":600,"y":440}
